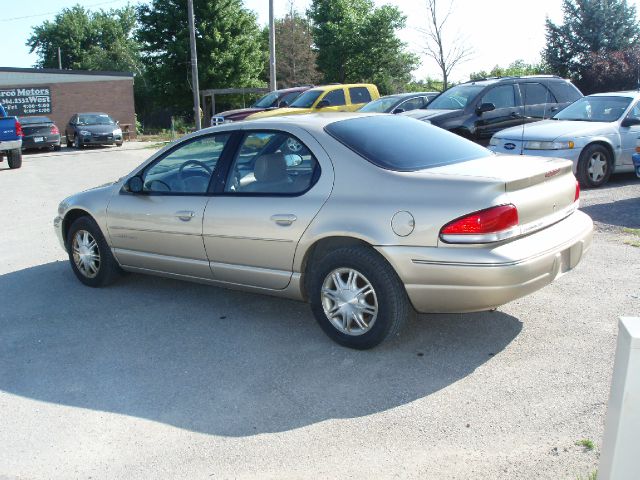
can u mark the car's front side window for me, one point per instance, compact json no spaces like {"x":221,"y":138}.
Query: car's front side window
{"x":502,"y":96}
{"x":272,"y":163}
{"x":335,"y":98}
{"x":186,"y":169}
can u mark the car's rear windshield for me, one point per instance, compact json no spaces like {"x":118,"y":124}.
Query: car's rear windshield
{"x":30,"y":120}
{"x":403,"y":144}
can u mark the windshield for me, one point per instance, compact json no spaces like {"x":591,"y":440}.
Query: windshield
{"x":381,"y":105}
{"x":95,"y":119}
{"x":307,"y":99}
{"x":403,"y":144}
{"x":595,"y":109}
{"x":31,"y":120}
{"x":269,"y":100}
{"x":456,"y":98}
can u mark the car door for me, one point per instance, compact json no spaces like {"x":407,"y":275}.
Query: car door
{"x":507,"y":112}
{"x":539,"y":103}
{"x":160,"y":227}
{"x":629,"y":136}
{"x":275,"y":185}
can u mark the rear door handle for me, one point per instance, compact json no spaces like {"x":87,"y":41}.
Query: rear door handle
{"x":284,"y":219}
{"x":185,"y":215}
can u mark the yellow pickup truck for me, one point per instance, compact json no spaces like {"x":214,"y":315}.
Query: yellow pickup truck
{"x":327,"y":98}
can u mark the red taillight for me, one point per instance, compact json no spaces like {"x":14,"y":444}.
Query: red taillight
{"x":54,"y":130}
{"x":490,"y":225}
{"x":577,"y":196}
{"x":19,"y":131}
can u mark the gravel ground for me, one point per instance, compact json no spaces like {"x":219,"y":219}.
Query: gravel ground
{"x":155,"y":378}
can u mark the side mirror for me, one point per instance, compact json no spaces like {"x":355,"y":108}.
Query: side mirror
{"x":485,"y":107}
{"x":630,"y":122}
{"x":118,"y":122}
{"x":134,"y":184}
{"x":322,"y":104}
{"x":293,"y":159}
{"x":398,"y":110}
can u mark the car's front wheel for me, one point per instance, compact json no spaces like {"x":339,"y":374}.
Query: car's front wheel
{"x":90,"y":256}
{"x":357,"y":297}
{"x":594,"y":166}
{"x":76,"y":142}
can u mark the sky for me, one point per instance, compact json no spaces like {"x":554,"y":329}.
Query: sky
{"x":499,"y":31}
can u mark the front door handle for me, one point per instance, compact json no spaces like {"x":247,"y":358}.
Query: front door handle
{"x":185,"y":215}
{"x":284,"y":219}
{"x":515,"y":114}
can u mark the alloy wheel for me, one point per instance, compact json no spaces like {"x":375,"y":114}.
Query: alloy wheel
{"x":597,"y":167}
{"x":86,"y":254}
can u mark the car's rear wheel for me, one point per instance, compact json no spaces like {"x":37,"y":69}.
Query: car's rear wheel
{"x":357,"y":297}
{"x":594,"y":166}
{"x":56,"y":148}
{"x":90,"y":256}
{"x":14,"y":158}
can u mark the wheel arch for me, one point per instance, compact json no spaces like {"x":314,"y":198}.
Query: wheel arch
{"x":607,"y":146}
{"x":70,"y":217}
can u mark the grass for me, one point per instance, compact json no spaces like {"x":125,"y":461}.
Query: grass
{"x":586,"y":444}
{"x":635,"y":232}
{"x":592,"y":476}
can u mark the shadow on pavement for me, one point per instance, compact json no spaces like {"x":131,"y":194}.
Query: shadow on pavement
{"x":621,"y":213}
{"x":217,"y":361}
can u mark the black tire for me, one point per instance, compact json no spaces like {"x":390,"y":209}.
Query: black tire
{"x":14,"y":158}
{"x":76,"y":142}
{"x":589,"y":178}
{"x":118,"y":144}
{"x":57,"y":148}
{"x":392,"y":301}
{"x":108,"y":269}
{"x":69,"y":142}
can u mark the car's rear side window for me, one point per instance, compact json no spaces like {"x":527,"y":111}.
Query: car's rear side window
{"x":564,"y":91}
{"x":359,"y":95}
{"x":400,"y":143}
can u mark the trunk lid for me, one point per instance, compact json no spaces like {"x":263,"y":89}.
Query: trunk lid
{"x":542,"y":189}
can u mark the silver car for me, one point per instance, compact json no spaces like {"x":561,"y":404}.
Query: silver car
{"x":597,"y":133}
{"x":365,"y":216}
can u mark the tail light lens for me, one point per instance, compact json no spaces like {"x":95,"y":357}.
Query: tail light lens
{"x":577,"y":196}
{"x":489,"y":225}
{"x":19,"y":131}
{"x":54,"y":130}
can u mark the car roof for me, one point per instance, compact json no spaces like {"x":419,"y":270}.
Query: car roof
{"x":492,"y":80}
{"x":91,"y":113}
{"x":328,"y":88}
{"x":409,"y":94}
{"x":294,"y":89}
{"x":627,"y":93}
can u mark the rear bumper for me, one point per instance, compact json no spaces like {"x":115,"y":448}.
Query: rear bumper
{"x":40,"y":141}
{"x":10,"y":144}
{"x":448,"y":279}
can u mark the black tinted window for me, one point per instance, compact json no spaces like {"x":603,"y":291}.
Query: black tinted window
{"x":402,"y":143}
{"x":564,"y":91}
{"x":535,"y":94}
{"x":335,"y":98}
{"x":359,"y":95}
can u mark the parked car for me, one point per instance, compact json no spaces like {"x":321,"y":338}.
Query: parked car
{"x":458,"y":229}
{"x":39,"y":132}
{"x":276,"y":99}
{"x":401,"y":102}
{"x":10,"y":139}
{"x":327,"y":98}
{"x":598,"y":133}
{"x":92,"y":128}
{"x":478,"y":109}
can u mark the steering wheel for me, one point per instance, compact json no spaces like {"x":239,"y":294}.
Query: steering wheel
{"x":194,"y":162}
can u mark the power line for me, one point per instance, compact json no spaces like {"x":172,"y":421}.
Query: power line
{"x":53,"y":13}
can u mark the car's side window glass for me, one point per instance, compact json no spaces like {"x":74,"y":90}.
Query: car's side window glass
{"x":272,"y":163}
{"x":535,"y":94}
{"x":412,"y":104}
{"x":188,"y":168}
{"x":359,"y":95}
{"x":634,"y":113}
{"x":335,"y":98}
{"x":501,"y":96}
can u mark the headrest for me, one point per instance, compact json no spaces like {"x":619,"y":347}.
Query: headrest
{"x":270,"y":168}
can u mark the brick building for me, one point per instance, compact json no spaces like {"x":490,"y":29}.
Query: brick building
{"x":58,"y":94}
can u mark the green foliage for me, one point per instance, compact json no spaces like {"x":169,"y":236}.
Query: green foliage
{"x":88,"y":40}
{"x":427,"y":85}
{"x":357,"y":42}
{"x":590,"y":27}
{"x":228,"y":44}
{"x":515,"y":69}
{"x":586,"y":444}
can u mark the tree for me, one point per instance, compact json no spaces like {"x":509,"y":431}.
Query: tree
{"x":228,"y":44}
{"x":446,"y":56}
{"x":515,"y":69}
{"x":88,"y":41}
{"x":591,"y":29}
{"x":295,"y":56}
{"x":357,"y":42}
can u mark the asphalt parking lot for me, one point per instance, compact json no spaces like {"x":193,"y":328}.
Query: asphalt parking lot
{"x":155,"y":378}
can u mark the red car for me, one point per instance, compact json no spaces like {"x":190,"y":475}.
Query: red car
{"x":275,"y":99}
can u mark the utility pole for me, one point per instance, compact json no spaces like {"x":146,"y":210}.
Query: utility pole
{"x":272,"y":49}
{"x":59,"y":60}
{"x":194,"y":66}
